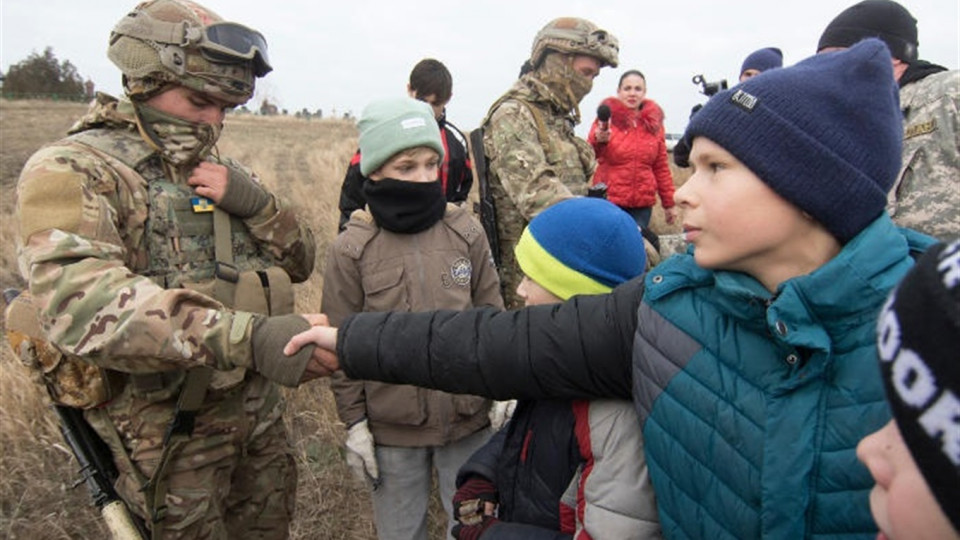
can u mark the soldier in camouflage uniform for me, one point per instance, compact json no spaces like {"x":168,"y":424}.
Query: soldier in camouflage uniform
{"x":926,"y":195}
{"x":121,"y":249}
{"x":534,"y":157}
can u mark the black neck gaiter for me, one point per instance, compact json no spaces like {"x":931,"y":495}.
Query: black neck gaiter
{"x":405,"y":207}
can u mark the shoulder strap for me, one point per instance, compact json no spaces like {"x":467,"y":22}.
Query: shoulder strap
{"x":545,"y":142}
{"x":133,"y":153}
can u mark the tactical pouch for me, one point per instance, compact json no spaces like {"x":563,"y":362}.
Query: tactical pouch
{"x":69,"y":379}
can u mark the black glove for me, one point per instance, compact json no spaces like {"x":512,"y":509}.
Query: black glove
{"x":244,"y":197}
{"x":473,"y":532}
{"x":270,"y":334}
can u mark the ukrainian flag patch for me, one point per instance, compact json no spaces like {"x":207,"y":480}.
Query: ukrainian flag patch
{"x":201,"y":204}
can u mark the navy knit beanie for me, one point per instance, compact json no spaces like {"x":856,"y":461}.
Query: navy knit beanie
{"x":583,"y":245}
{"x":763,"y":59}
{"x":918,"y":342}
{"x":825,"y":134}
{"x":882,"y":19}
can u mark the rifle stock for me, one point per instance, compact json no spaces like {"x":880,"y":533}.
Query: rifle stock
{"x":487,"y":210}
{"x":98,"y":472}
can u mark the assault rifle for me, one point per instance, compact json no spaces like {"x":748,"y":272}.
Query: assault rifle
{"x":97,"y":469}
{"x":485,"y":208}
{"x":98,"y":472}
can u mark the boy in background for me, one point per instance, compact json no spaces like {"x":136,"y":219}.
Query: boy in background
{"x":409,"y":250}
{"x":561,"y":468}
{"x":431,"y":83}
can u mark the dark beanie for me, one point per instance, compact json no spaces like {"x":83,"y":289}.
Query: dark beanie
{"x":918,"y":341}
{"x":882,"y":19}
{"x":763,"y":59}
{"x":825,"y":134}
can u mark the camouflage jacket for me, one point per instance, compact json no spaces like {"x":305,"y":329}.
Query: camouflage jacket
{"x":82,"y":247}
{"x":926,"y":196}
{"x":528,"y":173}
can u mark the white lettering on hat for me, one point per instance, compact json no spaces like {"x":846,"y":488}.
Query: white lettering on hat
{"x":410,"y":123}
{"x":943,"y":420}
{"x":744,"y":100}
{"x":913,"y":380}
{"x":949,"y":265}
{"x":888,"y":339}
{"x":916,"y":386}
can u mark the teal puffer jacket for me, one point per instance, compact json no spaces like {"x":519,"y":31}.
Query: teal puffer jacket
{"x":752,"y":404}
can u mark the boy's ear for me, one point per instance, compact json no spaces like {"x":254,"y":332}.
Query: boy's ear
{"x":411,"y":92}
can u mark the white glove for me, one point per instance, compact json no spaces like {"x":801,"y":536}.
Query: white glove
{"x":501,"y":412}
{"x":360,"y":454}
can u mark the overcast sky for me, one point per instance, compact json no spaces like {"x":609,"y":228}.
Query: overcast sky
{"x":340,"y":55}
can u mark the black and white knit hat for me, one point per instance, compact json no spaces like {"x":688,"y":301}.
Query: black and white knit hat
{"x":918,"y":341}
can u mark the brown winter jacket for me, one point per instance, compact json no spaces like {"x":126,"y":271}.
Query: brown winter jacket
{"x":447,"y":266}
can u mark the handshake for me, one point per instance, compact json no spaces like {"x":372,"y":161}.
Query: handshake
{"x":310,"y":352}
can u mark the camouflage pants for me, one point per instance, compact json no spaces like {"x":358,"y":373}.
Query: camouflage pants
{"x":234,"y":478}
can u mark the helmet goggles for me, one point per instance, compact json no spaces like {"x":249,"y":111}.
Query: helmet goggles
{"x":227,"y":42}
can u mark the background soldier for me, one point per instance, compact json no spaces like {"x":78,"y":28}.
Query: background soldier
{"x":149,"y":256}
{"x":534,"y":157}
{"x":926,"y":195}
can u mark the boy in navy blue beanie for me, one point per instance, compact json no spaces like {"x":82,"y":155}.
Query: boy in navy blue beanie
{"x":751,"y":362}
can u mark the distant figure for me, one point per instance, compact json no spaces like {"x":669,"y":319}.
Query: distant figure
{"x":926,"y":195}
{"x":430,"y":82}
{"x":759,"y":61}
{"x":632,"y":152}
{"x":407,"y":250}
{"x":534,"y":157}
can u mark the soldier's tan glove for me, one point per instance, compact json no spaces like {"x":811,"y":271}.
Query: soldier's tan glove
{"x":361,"y":456}
{"x":270,"y":334}
{"x":501,"y":412}
{"x":244,"y":197}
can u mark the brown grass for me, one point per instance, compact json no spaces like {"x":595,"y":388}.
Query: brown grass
{"x":303,"y":161}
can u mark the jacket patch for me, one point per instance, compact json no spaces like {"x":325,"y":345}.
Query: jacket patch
{"x":922,"y":128}
{"x":460,"y":272}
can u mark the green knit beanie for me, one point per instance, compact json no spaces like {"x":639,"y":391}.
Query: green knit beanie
{"x":390,"y":126}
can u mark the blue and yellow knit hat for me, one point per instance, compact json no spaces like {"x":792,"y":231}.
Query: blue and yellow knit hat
{"x":581,"y":246}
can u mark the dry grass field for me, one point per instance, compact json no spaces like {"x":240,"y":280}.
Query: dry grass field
{"x":303,"y":161}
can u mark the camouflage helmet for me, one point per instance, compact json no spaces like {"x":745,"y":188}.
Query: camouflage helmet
{"x":163,"y":42}
{"x":575,"y":36}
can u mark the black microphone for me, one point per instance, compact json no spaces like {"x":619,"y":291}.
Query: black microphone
{"x":603,"y":115}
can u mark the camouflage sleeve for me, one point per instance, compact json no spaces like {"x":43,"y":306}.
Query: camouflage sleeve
{"x":926,"y":195}
{"x":77,"y":220}
{"x":343,"y":296}
{"x":288,"y":240}
{"x":516,"y":157}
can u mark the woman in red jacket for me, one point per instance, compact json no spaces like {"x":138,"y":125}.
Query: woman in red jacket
{"x":631,"y":151}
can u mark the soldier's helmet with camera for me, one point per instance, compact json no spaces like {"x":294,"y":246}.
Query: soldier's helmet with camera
{"x":164,"y":42}
{"x":572,"y":35}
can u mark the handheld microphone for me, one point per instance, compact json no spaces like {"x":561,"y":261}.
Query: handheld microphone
{"x":603,"y":115}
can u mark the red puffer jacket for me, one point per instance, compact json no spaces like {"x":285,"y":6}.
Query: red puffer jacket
{"x":633,"y":164}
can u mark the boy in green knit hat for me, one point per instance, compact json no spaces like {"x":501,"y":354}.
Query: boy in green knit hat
{"x":408,"y":251}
